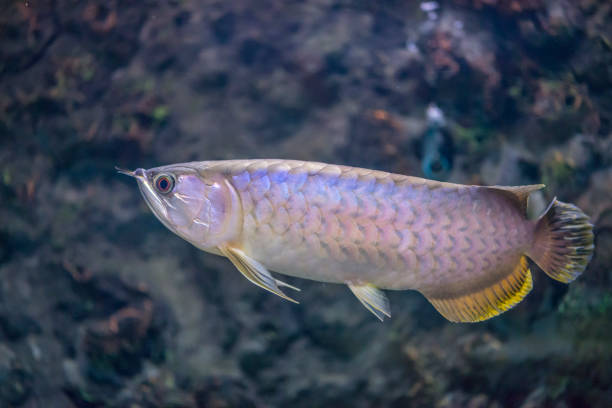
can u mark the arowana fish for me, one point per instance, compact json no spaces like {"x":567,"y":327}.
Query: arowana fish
{"x":463,"y":247}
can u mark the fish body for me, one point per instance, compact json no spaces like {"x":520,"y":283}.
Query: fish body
{"x":462,"y":246}
{"x":339,"y":224}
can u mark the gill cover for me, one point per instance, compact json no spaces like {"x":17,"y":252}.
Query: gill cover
{"x":203,"y":210}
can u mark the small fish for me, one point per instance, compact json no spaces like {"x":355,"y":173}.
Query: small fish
{"x":463,"y":247}
{"x":437,"y":147}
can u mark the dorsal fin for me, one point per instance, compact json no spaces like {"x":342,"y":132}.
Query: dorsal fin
{"x":518,"y":194}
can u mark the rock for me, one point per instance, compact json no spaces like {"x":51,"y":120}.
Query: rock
{"x":16,"y":325}
{"x":222,"y":392}
{"x":253,"y":51}
{"x":119,"y":344}
{"x":15,"y":379}
{"x":224,"y":27}
{"x":255,"y":358}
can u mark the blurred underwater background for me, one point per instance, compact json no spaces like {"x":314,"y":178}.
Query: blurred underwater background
{"x":101,"y":306}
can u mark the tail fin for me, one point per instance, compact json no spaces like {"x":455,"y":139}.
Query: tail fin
{"x":563,"y":243}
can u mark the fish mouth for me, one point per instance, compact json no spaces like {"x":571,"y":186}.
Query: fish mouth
{"x":145,"y":189}
{"x":157,"y":206}
{"x":153,"y":201}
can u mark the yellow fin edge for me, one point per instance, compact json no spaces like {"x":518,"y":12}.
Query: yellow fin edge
{"x":488,"y":302}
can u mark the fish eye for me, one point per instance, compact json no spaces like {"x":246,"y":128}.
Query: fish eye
{"x":164,"y":183}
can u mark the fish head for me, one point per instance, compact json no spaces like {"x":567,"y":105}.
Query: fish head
{"x":201,"y":208}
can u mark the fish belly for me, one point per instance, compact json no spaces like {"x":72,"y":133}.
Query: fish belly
{"x":343,"y":224}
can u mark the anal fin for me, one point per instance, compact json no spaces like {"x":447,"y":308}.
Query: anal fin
{"x":255,"y":272}
{"x":372,"y":298}
{"x":485,"y":303}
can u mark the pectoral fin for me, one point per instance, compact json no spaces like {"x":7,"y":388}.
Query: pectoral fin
{"x":286,"y":285}
{"x":256,"y":272}
{"x":372,"y":298}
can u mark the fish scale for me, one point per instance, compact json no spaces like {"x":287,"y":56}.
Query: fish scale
{"x":324,"y":201}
